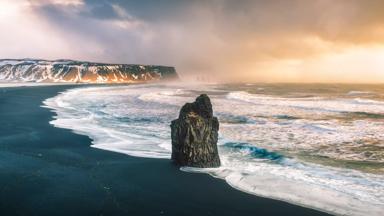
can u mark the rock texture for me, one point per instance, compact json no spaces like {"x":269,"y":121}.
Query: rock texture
{"x":194,"y":135}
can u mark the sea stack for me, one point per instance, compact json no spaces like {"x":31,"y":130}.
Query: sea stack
{"x":194,"y":135}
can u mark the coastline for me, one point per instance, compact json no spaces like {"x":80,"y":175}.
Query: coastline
{"x":52,"y":171}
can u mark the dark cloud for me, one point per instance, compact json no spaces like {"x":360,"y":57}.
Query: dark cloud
{"x":100,"y":10}
{"x":147,"y":10}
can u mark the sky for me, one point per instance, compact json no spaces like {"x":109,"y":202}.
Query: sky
{"x":228,"y":40}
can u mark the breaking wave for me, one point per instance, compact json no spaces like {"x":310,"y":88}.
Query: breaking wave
{"x":265,"y":141}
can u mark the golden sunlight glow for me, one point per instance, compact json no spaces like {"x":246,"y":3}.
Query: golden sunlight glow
{"x":351,"y":65}
{"x":363,"y":64}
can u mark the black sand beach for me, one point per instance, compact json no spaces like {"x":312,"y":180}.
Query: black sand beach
{"x":51,"y":171}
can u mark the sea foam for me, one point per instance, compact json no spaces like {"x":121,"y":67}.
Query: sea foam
{"x":260,"y":141}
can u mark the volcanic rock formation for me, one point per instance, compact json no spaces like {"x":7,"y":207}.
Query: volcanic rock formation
{"x":194,"y":135}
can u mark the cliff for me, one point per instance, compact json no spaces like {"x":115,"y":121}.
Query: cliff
{"x":34,"y":70}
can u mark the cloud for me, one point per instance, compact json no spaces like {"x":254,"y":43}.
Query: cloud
{"x":25,"y":34}
{"x":246,"y":39}
{"x":56,"y":2}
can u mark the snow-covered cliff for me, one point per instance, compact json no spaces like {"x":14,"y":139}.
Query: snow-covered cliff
{"x":36,"y":70}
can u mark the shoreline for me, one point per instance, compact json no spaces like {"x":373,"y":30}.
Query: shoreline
{"x":53,"y":171}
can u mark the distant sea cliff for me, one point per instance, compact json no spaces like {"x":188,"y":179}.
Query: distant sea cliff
{"x":37,"y":70}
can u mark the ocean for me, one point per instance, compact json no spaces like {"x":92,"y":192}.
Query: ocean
{"x":315,"y":145}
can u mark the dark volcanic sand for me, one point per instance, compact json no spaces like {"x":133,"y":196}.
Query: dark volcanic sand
{"x":51,"y":171}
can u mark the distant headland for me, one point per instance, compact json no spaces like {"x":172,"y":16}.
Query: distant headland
{"x":72,"y":71}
